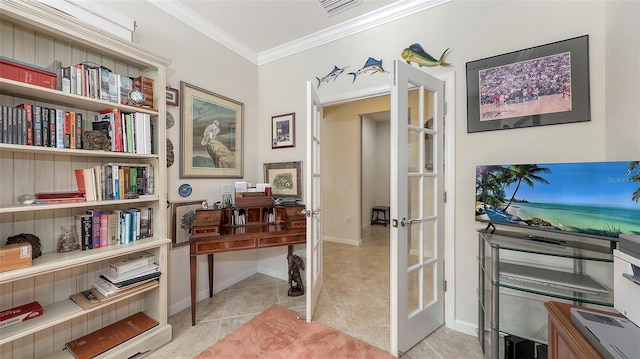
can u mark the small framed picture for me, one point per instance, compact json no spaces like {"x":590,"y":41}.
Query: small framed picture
{"x":283,"y":130}
{"x":285,"y":179}
{"x":182,"y":215}
{"x":172,"y":96}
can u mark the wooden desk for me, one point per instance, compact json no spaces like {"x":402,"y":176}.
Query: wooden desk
{"x":565,"y":340}
{"x":210,"y":236}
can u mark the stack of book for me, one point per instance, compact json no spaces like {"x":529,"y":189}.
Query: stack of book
{"x":119,"y":279}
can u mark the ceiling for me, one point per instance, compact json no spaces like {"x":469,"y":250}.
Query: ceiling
{"x":266,"y":30}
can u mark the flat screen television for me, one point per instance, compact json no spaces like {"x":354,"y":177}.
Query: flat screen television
{"x":599,"y":199}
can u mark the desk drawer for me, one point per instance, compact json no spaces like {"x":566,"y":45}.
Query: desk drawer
{"x":299,"y":224}
{"x":280,"y":240}
{"x":198,"y":231}
{"x":223,"y":245}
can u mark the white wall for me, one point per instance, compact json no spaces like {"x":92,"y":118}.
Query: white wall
{"x":472,"y":30}
{"x":475,"y":30}
{"x":199,"y":61}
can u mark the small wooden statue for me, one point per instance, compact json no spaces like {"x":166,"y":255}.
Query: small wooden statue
{"x":295,"y":279}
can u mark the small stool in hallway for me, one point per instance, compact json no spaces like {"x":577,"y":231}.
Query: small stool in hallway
{"x":380,"y":210}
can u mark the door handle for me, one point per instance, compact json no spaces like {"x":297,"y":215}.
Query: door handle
{"x":309,"y":213}
{"x":407,"y":222}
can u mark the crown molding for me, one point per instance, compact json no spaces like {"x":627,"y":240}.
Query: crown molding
{"x":356,"y":25}
{"x":202,"y":25}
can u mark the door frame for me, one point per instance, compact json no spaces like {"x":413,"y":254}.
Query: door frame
{"x":449,"y":180}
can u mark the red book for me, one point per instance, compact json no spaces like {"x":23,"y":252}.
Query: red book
{"x":28,"y":108}
{"x":54,"y":195}
{"x":117,"y":128}
{"x":60,"y":200}
{"x":67,"y":130}
{"x":95,"y":343}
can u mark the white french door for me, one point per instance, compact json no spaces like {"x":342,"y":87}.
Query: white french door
{"x":313,"y":206}
{"x":417,"y":206}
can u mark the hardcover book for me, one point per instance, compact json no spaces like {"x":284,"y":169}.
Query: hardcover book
{"x":133,"y":262}
{"x":95,"y":226}
{"x":84,"y":228}
{"x":28,"y":121}
{"x":103,"y":339}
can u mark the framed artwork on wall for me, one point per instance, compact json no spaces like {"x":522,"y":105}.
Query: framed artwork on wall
{"x":285,"y":179}
{"x":182,"y":215}
{"x":542,"y":85}
{"x":212,"y":134}
{"x":283,"y":130}
{"x":172,"y":96}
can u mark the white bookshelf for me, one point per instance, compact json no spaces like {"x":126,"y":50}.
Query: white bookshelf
{"x":34,"y":33}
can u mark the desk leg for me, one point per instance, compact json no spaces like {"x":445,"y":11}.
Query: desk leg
{"x":210,"y":259}
{"x":193,"y":272}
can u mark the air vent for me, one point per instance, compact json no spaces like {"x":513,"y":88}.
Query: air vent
{"x":333,"y":7}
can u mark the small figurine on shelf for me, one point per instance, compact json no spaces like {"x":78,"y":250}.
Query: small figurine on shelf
{"x":68,"y":241}
{"x":295,"y":279}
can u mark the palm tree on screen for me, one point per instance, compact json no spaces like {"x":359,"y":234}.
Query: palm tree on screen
{"x":634,"y":165}
{"x":527,"y":174}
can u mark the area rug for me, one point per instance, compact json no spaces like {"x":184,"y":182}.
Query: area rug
{"x":278,"y":333}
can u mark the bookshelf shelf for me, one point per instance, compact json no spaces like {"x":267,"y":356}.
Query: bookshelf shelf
{"x":72,"y":153}
{"x":37,"y":93}
{"x":45,"y":207}
{"x":36,"y":34}
{"x":57,"y":313}
{"x":51,"y":261}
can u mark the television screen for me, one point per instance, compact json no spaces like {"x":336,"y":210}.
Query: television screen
{"x":591,"y":198}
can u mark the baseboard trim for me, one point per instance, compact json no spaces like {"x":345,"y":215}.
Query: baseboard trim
{"x":351,"y":242}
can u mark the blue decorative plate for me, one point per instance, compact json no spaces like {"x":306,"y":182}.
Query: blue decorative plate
{"x":185,"y":190}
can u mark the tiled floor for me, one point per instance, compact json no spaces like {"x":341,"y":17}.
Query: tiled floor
{"x":354,"y":300}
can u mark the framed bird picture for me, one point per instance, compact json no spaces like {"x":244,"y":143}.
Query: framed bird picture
{"x":212,"y":134}
{"x":283,"y":130}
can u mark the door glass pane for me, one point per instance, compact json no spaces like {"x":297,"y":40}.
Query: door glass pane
{"x":413,"y":253}
{"x":429,"y":284}
{"x":413,"y":291}
{"x":429,"y":240}
{"x":415,"y":151}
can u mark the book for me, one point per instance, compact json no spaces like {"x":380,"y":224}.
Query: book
{"x":59,"y":129}
{"x":66,"y":129}
{"x":132,"y":262}
{"x":132,"y":274}
{"x":108,"y":289}
{"x":60,"y":200}
{"x":28,"y":121}
{"x":126,"y":283}
{"x":72,"y":130}
{"x":95,"y":226}
{"x":84,"y":228}
{"x":105,"y":338}
{"x":114,"y":118}
{"x":85,"y":181}
{"x":114,"y":91}
{"x":52,"y":127}
{"x":125,"y":86}
{"x":104,"y":84}
{"x":113,"y":228}
{"x":145,"y":222}
{"x":104,"y":229}
{"x":60,"y":194}
{"x":37,"y":126}
{"x":78,"y":128}
{"x":103,"y":298}
{"x":46,"y":126}
{"x":85,"y":299}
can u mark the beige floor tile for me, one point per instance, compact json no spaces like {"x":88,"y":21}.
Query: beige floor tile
{"x":354,"y":300}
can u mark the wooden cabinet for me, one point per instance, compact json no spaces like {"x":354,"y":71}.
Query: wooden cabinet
{"x":37,"y":34}
{"x":565,"y":340}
